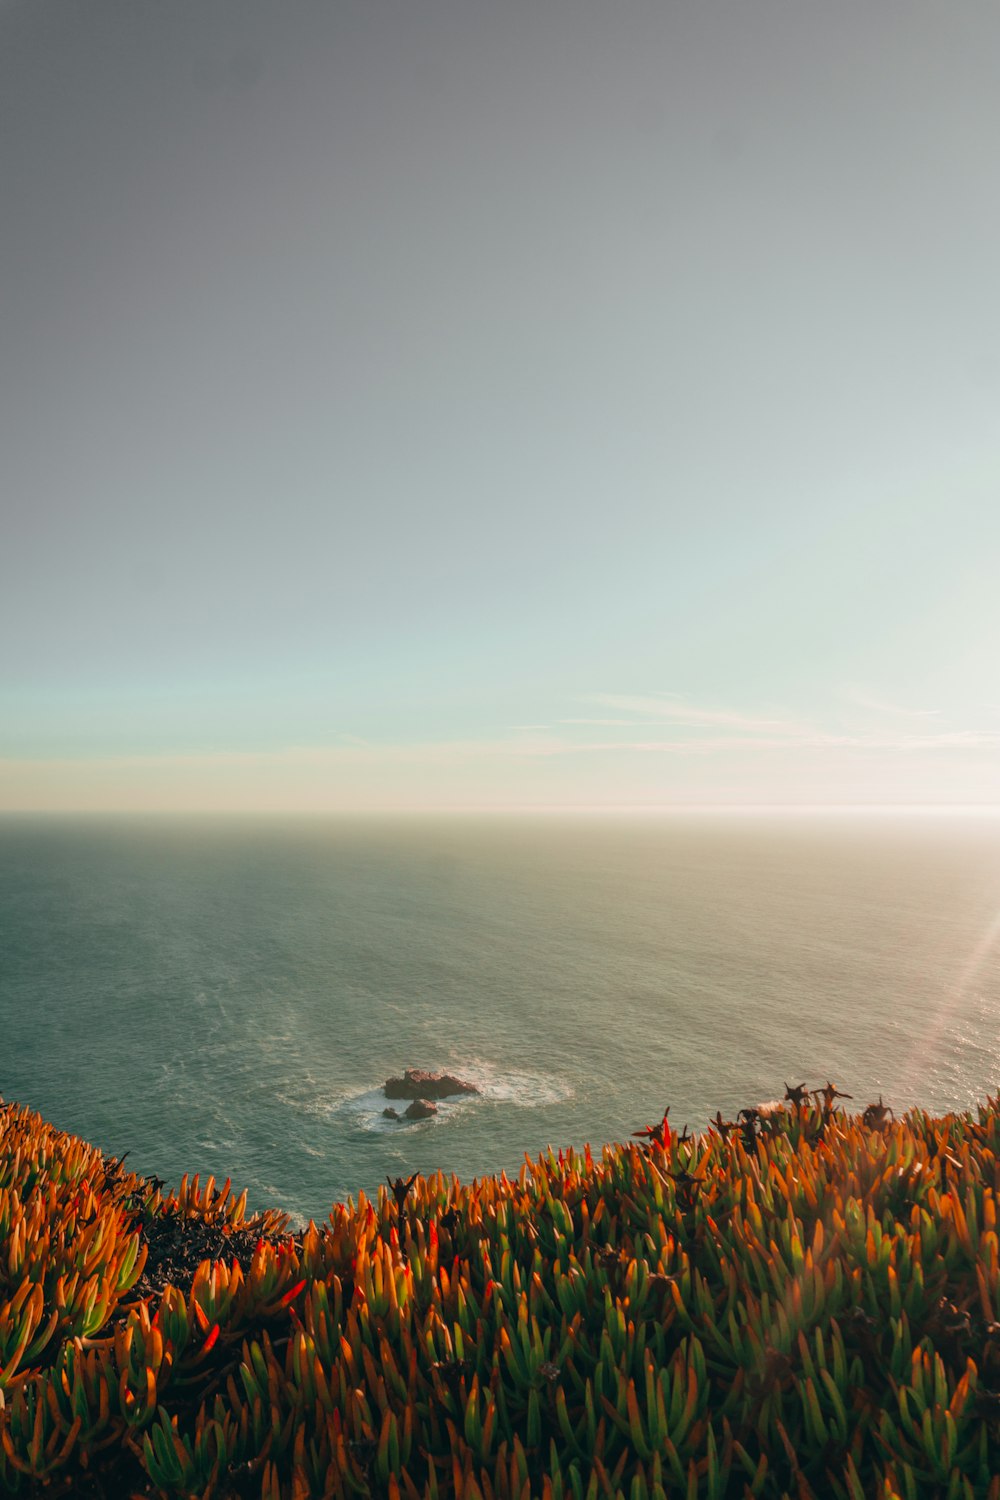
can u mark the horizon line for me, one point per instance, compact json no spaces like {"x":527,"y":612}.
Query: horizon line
{"x":514,"y":809}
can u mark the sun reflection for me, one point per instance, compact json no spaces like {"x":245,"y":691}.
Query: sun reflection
{"x":932,"y":1034}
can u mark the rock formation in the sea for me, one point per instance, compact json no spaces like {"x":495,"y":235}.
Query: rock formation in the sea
{"x":416,"y":1084}
{"x":420,"y":1109}
{"x":389,"y":1113}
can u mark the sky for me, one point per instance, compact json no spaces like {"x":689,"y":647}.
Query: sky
{"x":528,"y":405}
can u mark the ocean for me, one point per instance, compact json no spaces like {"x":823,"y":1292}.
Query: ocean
{"x":227,"y":997}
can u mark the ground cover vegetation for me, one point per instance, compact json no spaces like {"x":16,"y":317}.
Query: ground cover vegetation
{"x":800,"y":1303}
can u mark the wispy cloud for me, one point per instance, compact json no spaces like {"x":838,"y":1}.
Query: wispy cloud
{"x":737,"y":729}
{"x":528,"y":742}
{"x":581,"y":766}
{"x":880,"y":705}
{"x":801,"y":740}
{"x":659,"y":748}
{"x":658,"y":707}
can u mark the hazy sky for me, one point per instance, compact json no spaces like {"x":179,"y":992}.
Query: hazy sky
{"x":455,"y":403}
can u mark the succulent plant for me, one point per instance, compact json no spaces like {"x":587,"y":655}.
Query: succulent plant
{"x":806,"y":1306}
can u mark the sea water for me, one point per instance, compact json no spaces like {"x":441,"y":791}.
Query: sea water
{"x":228,"y":997}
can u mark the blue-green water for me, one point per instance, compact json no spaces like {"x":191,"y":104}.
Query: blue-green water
{"x":228,"y":997}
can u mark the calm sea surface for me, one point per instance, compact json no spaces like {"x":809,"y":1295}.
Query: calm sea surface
{"x":228,"y":997}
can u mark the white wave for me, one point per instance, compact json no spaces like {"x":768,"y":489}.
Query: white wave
{"x":366,"y":1110}
{"x":524,"y":1090}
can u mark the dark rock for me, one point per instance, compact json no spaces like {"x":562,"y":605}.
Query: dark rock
{"x":390,"y":1114}
{"x":416,"y":1084}
{"x":177,"y":1246}
{"x":420,"y":1109}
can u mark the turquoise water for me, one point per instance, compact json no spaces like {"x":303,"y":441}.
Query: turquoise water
{"x":228,"y":997}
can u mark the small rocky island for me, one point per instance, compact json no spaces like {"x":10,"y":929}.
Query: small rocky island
{"x":422,"y":1089}
{"x":415,"y":1084}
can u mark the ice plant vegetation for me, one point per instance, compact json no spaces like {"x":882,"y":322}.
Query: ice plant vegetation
{"x":805,"y":1305}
